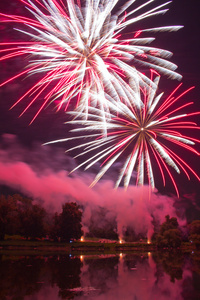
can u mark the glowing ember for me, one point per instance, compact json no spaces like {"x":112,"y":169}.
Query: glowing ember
{"x":81,"y":257}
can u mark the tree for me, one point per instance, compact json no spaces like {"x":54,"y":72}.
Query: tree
{"x":169,"y":234}
{"x":194,"y":233}
{"x":18,"y":215}
{"x":67,"y":225}
{"x":32,"y":220}
{"x":170,"y":223}
{"x":194,"y":227}
{"x":9,"y":217}
{"x":4,"y":210}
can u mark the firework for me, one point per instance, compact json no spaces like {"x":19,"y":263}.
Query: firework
{"x":80,"y":52}
{"x":139,"y":137}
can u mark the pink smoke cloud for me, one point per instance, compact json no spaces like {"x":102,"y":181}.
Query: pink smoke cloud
{"x":40,"y":180}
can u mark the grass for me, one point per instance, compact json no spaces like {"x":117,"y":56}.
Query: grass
{"x":92,"y":246}
{"x":31,"y":243}
{"x":16,"y":242}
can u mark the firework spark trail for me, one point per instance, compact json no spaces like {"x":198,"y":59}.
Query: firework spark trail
{"x":142,"y":135}
{"x":82,"y":51}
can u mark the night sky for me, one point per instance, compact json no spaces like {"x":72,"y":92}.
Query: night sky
{"x":185,"y":44}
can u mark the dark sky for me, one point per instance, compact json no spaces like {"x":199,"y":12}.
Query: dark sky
{"x":185,"y":44}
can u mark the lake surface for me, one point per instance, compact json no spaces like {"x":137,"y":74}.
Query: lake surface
{"x":149,"y":276}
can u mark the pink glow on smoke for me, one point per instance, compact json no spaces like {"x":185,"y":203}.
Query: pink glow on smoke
{"x":40,"y":181}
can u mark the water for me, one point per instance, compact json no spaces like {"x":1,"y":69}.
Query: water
{"x":149,"y":276}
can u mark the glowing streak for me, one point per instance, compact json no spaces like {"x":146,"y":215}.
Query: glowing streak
{"x":136,"y":133}
{"x":82,"y":51}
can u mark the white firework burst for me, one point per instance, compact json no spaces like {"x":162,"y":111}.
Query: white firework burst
{"x":81,"y":51}
{"x":136,"y":136}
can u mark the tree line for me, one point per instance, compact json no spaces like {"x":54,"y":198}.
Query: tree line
{"x":22,"y":216}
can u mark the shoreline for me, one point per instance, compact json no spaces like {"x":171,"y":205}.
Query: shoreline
{"x":43,"y":247}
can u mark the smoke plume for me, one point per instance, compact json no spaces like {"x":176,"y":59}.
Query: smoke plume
{"x":42,"y":173}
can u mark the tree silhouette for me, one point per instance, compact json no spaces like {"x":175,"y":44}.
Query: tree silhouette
{"x":68,"y":223}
